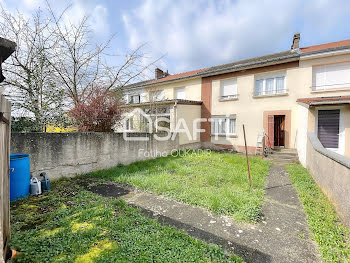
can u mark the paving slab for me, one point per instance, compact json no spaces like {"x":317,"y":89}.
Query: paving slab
{"x":282,"y":235}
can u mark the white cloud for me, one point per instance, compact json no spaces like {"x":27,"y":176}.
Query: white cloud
{"x":32,"y":4}
{"x":97,"y":12}
{"x":204,"y":33}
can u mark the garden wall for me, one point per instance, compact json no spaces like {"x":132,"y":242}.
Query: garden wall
{"x":331,"y":171}
{"x":69,"y":154}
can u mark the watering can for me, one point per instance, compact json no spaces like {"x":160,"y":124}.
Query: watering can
{"x":35,"y":186}
{"x":45,"y":182}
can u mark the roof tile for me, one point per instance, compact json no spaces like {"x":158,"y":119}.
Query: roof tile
{"x":336,"y":44}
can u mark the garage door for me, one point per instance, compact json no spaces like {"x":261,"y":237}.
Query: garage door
{"x":328,"y":128}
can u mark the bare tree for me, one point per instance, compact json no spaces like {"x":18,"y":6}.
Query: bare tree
{"x":59,"y":65}
{"x":30,"y":79}
{"x":82,"y":64}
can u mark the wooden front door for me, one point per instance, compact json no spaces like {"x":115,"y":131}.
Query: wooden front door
{"x":279,"y":130}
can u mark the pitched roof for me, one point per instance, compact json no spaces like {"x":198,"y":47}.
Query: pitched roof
{"x":271,"y":59}
{"x":179,"y":76}
{"x":321,"y":47}
{"x":162,"y":102}
{"x":325,"y":100}
{"x":262,"y":61}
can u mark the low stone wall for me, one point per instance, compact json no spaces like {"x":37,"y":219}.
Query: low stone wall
{"x":332,"y":173}
{"x":69,"y":154}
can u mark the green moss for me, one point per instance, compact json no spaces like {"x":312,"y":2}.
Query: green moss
{"x":332,"y":237}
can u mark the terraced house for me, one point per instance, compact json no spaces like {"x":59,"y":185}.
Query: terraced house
{"x":283,"y":95}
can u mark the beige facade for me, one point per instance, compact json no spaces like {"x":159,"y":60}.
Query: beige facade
{"x":249,"y":109}
{"x":254,"y":111}
{"x":192,"y":89}
{"x":306,"y":66}
{"x":189,"y":113}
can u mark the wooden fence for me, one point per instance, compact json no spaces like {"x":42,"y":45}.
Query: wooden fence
{"x":5,"y":109}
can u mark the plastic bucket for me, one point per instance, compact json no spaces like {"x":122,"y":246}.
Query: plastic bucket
{"x":19,"y":176}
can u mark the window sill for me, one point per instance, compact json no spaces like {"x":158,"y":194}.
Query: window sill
{"x":270,"y":95}
{"x":329,"y":90}
{"x":224,"y":135}
{"x":227,"y":99}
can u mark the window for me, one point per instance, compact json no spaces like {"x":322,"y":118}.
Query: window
{"x":180,"y":93}
{"x":223,"y":125}
{"x":135,"y":99}
{"x":228,"y":88}
{"x":129,"y":124}
{"x":157,"y":95}
{"x":157,"y":113}
{"x":333,"y":76}
{"x":270,"y":85}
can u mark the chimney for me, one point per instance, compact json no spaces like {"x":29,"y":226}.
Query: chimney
{"x":158,"y":73}
{"x":296,"y":40}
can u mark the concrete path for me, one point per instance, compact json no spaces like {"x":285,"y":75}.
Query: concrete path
{"x":282,"y":236}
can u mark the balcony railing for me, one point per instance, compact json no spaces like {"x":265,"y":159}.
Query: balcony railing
{"x":258,"y":93}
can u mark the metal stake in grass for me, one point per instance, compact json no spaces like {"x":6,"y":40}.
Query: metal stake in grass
{"x":246,"y":155}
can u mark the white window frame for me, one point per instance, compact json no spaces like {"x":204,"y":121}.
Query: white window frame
{"x":139,"y":98}
{"x":129,"y":124}
{"x":233,"y":96}
{"x":273,"y":76}
{"x":225,"y":119}
{"x":176,"y":93}
{"x":341,"y":136}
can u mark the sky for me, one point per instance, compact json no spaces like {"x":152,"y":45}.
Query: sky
{"x":192,"y":34}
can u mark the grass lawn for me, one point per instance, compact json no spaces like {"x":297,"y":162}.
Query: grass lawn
{"x":216,"y":181}
{"x":70,"y":224}
{"x":332,"y":237}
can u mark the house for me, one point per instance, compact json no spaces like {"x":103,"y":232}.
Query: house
{"x":283,"y":95}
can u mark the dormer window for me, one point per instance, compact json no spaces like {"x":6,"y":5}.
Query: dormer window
{"x":228,"y":89}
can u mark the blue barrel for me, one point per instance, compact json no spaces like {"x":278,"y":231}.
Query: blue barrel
{"x":19,"y":176}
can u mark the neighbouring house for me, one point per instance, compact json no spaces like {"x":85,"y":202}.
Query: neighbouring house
{"x":283,"y":95}
{"x":171,"y":97}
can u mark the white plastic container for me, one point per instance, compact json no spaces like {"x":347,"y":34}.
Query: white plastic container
{"x":35,"y":186}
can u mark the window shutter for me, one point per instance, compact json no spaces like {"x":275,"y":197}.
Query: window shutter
{"x":333,"y":76}
{"x":180,"y":93}
{"x":328,"y":128}
{"x":229,"y":88}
